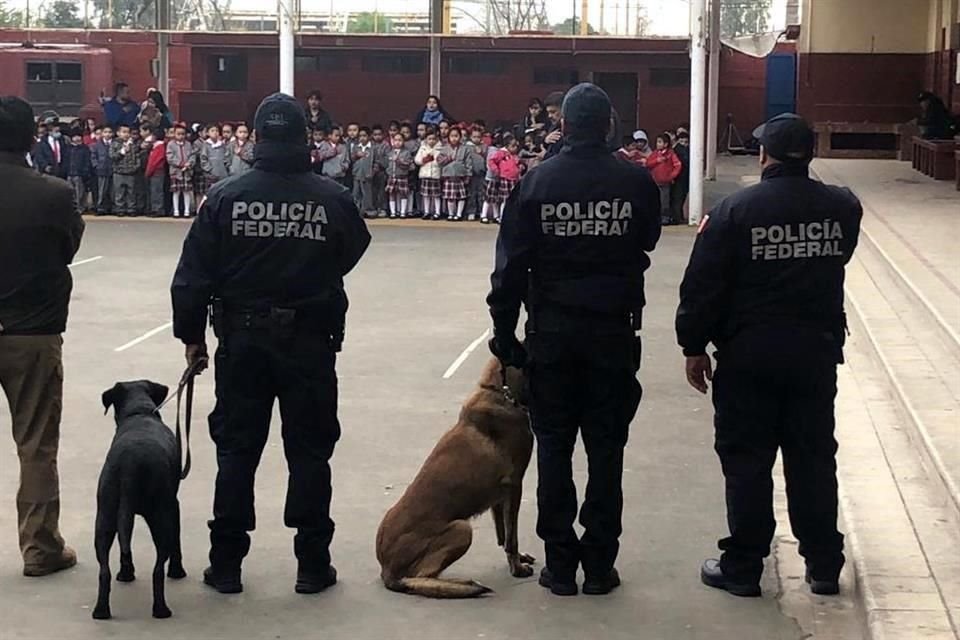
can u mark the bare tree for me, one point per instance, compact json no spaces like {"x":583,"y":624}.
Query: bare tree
{"x":517,"y":15}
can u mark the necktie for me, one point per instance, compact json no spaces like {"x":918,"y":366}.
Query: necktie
{"x":56,"y":151}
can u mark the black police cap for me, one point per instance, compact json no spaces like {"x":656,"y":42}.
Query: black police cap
{"x":587,"y":107}
{"x":787,"y":138}
{"x":280,"y":118}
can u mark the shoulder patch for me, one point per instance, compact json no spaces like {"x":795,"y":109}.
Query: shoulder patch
{"x":703,"y":224}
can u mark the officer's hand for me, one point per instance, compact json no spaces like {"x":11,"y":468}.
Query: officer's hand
{"x":508,"y":350}
{"x":197,"y":352}
{"x":699,"y":371}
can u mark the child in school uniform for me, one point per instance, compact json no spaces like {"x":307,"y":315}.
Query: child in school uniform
{"x":417,"y":135}
{"x":240,"y":151}
{"x":103,"y":165}
{"x":381,"y":149}
{"x":399,"y":161}
{"x":78,"y":168}
{"x":156,"y":175}
{"x":335,"y":157}
{"x":362,"y":170}
{"x":317,"y":139}
{"x":213,"y":158}
{"x":430,"y":190}
{"x":181,"y":159}
{"x":199,"y":139}
{"x":478,"y":173}
{"x":505,"y":165}
{"x":127,"y":160}
{"x":454,"y":160}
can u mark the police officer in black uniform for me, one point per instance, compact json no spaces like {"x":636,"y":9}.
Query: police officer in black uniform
{"x":573,"y":248}
{"x":765,"y":286}
{"x":267,"y":254}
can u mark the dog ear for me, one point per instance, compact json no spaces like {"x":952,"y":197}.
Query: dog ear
{"x":157,"y":392}
{"x":112,"y":396}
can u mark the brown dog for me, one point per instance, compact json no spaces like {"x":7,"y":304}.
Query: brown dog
{"x":476,"y":466}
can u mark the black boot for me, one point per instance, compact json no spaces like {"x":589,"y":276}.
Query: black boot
{"x":557,"y":587}
{"x":601,"y":585}
{"x":223,"y":580}
{"x":315,"y":581}
{"x":712,"y":575}
{"x":823,"y":587}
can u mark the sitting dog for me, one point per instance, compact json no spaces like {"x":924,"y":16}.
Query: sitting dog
{"x":476,"y":466}
{"x":140,"y":476}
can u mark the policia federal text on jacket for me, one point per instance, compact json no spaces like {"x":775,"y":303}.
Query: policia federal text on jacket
{"x":268,"y":252}
{"x":765,"y":286}
{"x":573,"y":248}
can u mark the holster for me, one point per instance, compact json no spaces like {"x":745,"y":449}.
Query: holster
{"x":280,"y":323}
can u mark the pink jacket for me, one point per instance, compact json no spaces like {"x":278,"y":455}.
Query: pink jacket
{"x":505,"y":165}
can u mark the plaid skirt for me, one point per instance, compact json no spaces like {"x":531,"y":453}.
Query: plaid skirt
{"x":209,"y":181}
{"x":398,"y":186}
{"x":506,"y":188}
{"x":430,"y":188}
{"x":491,"y":191}
{"x":181,"y":183}
{"x":455,"y":189}
{"x":199,"y":180}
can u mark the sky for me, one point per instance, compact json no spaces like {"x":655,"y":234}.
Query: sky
{"x":667,"y":17}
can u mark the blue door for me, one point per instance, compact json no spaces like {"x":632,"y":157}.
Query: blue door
{"x":781,"y":84}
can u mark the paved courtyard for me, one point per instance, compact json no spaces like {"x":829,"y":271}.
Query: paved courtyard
{"x":417,"y":304}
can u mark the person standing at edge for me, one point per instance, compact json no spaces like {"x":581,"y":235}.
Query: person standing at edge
{"x":40,"y":232}
{"x":765,"y":286}
{"x":573,"y":247}
{"x":268,"y":250}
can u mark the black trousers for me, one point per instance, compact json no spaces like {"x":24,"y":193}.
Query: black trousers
{"x":254,"y":368}
{"x":775,"y":390}
{"x":581,"y":383}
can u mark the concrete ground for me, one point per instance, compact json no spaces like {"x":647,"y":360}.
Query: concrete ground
{"x":417,"y":303}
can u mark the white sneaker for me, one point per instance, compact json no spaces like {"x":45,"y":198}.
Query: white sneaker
{"x":176,"y":214}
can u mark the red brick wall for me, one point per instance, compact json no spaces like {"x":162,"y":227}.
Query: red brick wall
{"x":854,"y":87}
{"x":743,"y":90}
{"x":352,"y":94}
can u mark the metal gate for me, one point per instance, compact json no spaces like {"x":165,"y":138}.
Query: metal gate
{"x":55,"y":85}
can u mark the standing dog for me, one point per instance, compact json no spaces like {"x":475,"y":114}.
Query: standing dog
{"x":476,"y":466}
{"x":140,"y":476}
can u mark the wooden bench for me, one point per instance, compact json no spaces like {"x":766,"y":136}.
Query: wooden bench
{"x":935,"y":158}
{"x":868,"y":140}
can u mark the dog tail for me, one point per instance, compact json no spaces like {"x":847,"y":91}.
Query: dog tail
{"x":441,"y":588}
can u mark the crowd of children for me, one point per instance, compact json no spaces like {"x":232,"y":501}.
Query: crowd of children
{"x":143,"y":170}
{"x":447,"y":170}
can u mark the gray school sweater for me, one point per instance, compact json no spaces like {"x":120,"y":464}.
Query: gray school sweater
{"x":454,"y":163}
{"x":336,"y":165}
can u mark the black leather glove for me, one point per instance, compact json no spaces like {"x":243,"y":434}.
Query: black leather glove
{"x":508,"y":350}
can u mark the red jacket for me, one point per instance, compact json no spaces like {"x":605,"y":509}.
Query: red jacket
{"x":505,"y":165}
{"x":157,"y":160}
{"x":664,"y":166}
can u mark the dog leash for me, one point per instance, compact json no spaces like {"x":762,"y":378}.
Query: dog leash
{"x":183,"y":431}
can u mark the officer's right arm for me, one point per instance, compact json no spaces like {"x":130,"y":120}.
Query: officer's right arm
{"x":354,"y":236}
{"x":515,"y":245}
{"x":706,"y":283}
{"x":195,"y":279}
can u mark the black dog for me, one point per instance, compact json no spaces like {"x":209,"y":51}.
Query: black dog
{"x":141,"y":475}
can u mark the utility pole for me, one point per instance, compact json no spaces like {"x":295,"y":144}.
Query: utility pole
{"x":713,"y":92}
{"x":286,"y":10}
{"x":698,"y":82}
{"x":436,"y":28}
